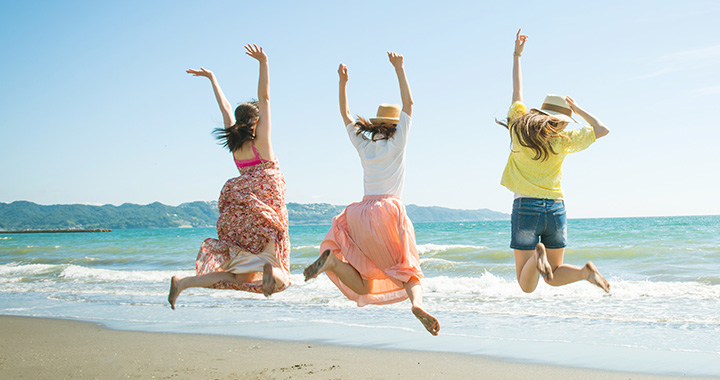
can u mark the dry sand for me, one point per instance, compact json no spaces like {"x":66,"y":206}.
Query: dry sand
{"x":37,"y":348}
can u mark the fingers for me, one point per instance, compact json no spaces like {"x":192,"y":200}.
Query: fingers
{"x":396,"y":59}
{"x":571,"y":103}
{"x":203,"y":72}
{"x":520,"y":39}
{"x":253,"y":49}
{"x":256,"y":52}
{"x":343,"y":72}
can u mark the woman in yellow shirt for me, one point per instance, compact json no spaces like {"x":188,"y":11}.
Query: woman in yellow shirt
{"x":533,"y":173}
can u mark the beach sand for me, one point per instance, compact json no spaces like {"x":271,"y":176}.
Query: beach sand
{"x":37,"y":348}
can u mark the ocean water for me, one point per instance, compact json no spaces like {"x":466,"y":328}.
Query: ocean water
{"x":662,"y":315}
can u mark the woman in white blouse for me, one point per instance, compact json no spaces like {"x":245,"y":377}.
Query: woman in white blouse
{"x":370,"y":252}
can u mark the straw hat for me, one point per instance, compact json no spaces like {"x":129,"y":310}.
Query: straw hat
{"x":557,"y":107}
{"x":389,"y":113}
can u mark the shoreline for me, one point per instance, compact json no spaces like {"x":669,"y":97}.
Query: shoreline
{"x":43,"y":348}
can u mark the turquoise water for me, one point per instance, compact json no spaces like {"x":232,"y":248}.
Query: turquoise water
{"x":662,"y":315}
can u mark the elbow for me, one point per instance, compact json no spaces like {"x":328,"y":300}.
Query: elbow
{"x":265,"y":99}
{"x":600,"y":132}
{"x":407,"y":105}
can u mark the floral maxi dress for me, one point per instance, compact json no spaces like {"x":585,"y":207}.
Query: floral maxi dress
{"x":252,"y":214}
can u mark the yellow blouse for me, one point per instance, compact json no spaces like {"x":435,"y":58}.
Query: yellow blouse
{"x":537,"y":178}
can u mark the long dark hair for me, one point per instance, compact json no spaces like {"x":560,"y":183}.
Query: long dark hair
{"x":381,"y":131}
{"x":534,"y":130}
{"x":236,"y":135}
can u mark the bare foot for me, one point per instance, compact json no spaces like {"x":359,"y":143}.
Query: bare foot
{"x":317,"y":267}
{"x":174,"y":292}
{"x":431,"y":323}
{"x":543,"y":266}
{"x":596,"y":278}
{"x":268,"y":284}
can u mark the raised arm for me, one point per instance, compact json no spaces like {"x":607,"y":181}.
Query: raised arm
{"x":225,"y":107}
{"x":599,"y":128}
{"x":520,"y":40}
{"x":263,"y":128}
{"x":396,"y":60}
{"x":344,"y":108}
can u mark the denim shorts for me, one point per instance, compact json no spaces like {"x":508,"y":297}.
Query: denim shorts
{"x":534,"y":220}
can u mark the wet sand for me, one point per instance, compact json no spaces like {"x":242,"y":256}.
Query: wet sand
{"x":38,"y":348}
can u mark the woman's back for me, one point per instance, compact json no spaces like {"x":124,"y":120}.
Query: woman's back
{"x":383,"y":161}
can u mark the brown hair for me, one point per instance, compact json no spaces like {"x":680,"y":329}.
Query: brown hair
{"x":236,"y":135}
{"x":381,"y":131}
{"x":534,"y":130}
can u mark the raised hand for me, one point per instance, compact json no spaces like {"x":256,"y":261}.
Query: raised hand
{"x":343,"y":73}
{"x":200,"y":73}
{"x":344,"y":107}
{"x":396,"y":59}
{"x":599,"y":128}
{"x":256,"y":52}
{"x":520,"y":40}
{"x":571,"y":102}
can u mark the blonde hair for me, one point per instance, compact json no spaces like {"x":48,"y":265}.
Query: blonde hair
{"x":534,"y":130}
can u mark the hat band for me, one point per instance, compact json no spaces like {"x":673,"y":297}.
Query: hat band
{"x":551,"y":107}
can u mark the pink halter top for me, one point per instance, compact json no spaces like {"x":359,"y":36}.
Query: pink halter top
{"x":250,"y":161}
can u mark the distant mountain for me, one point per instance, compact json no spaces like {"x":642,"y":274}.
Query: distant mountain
{"x":23,"y":215}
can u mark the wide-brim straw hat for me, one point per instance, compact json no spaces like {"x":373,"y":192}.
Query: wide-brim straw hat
{"x":387,"y":113}
{"x":557,"y":107}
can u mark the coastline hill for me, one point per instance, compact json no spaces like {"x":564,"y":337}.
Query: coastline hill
{"x":23,"y":215}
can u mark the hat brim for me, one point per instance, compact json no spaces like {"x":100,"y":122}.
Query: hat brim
{"x":378,"y":120}
{"x":556,"y":115}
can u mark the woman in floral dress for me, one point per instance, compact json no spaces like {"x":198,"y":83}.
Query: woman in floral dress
{"x":253,"y":247}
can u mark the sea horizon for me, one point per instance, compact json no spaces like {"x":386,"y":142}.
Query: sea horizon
{"x":327,"y":203}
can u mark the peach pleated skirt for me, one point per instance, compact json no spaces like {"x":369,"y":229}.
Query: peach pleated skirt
{"x":376,"y":237}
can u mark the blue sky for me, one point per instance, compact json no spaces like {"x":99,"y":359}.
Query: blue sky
{"x":96,"y":106}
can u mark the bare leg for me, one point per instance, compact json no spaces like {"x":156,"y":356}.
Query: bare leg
{"x":345,"y":272}
{"x":414,"y":291}
{"x":177,"y":285}
{"x":273,"y":277}
{"x":542,"y":264}
{"x":268,"y":281}
{"x":526,"y":270}
{"x":565,"y":274}
{"x":317,"y":267}
{"x":595,"y":278}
